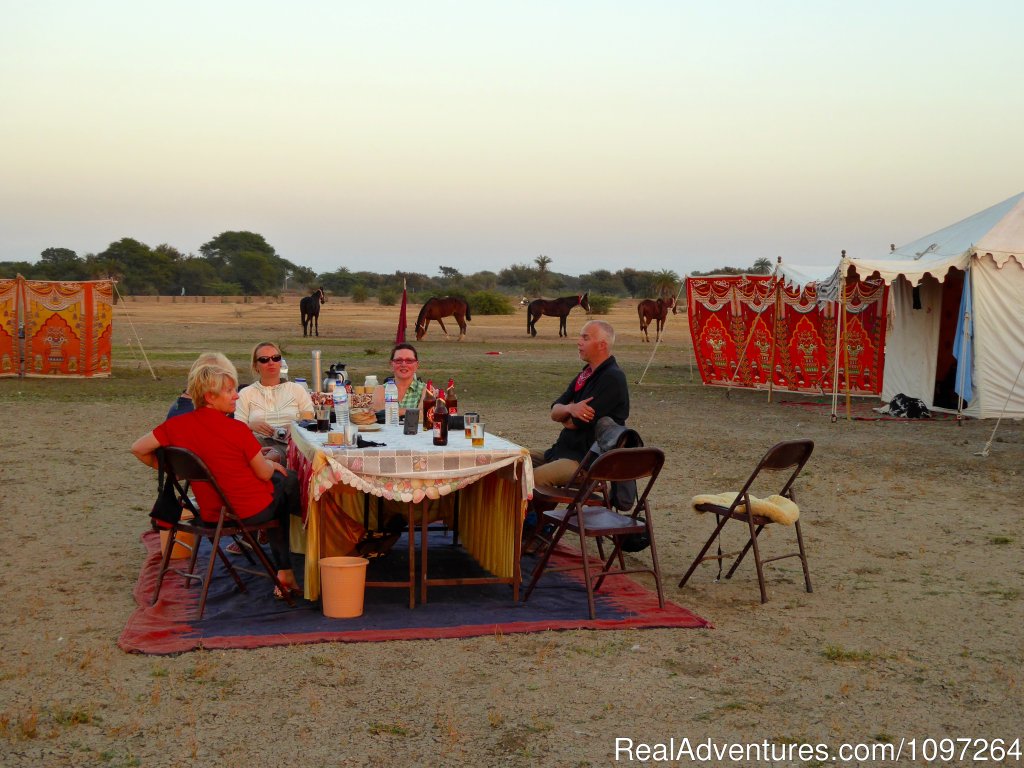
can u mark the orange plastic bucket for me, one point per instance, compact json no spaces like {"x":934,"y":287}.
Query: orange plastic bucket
{"x":183,"y":542}
{"x":342,"y":586}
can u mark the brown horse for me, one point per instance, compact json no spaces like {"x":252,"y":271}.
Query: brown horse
{"x":559,"y":308}
{"x":436,"y":308}
{"x":650,"y":310}
{"x":309,"y":308}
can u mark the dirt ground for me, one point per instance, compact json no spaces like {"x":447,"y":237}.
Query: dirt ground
{"x":913,"y":630}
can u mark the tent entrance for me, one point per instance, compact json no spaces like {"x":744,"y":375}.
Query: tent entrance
{"x":945,"y":363}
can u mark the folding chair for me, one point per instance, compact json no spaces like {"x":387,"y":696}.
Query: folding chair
{"x":588,"y":520}
{"x":787,"y":457}
{"x":182,"y":465}
{"x":547,"y":497}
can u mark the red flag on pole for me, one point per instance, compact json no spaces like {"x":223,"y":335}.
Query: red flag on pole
{"x":400,"y":335}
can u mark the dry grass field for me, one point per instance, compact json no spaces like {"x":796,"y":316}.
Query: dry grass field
{"x":913,"y":629}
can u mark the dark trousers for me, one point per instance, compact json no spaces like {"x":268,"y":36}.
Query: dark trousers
{"x":284,"y":504}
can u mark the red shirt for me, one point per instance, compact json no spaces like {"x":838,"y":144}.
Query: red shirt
{"x":227,"y":446}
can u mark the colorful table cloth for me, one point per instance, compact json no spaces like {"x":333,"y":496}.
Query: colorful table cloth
{"x":495,"y":480}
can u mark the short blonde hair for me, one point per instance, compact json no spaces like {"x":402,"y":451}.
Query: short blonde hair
{"x":207,"y":378}
{"x":252,"y":362}
{"x":215,"y":358}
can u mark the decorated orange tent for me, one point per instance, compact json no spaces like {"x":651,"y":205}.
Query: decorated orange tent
{"x":54,"y":328}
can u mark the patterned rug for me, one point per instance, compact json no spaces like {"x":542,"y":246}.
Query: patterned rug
{"x":254,"y":619}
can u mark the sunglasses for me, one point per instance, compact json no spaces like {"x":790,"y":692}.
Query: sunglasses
{"x":405,"y":360}
{"x":265,"y":360}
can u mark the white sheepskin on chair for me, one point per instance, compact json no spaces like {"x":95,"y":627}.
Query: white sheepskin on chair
{"x":778,"y":509}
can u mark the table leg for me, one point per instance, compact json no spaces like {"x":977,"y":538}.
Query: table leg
{"x":412,"y":556}
{"x":423,"y":554}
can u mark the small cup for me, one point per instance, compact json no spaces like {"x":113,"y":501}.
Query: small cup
{"x":323,"y":419}
{"x":477,"y":434}
{"x":351,"y":434}
{"x":469,"y":419}
{"x":336,"y":438}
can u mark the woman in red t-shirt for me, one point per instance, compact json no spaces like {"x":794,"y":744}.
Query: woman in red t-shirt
{"x":258,"y":489}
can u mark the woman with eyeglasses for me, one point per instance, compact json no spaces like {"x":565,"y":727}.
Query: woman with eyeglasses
{"x":404,"y":366}
{"x":269,"y":403}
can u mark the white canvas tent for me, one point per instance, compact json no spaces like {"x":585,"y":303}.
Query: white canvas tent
{"x":970,"y":271}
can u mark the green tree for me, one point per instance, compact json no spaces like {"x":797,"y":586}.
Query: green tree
{"x":516,"y":277}
{"x":762,"y":266}
{"x":542,"y":263}
{"x":132,"y":263}
{"x":665,"y":282}
{"x":603,"y":281}
{"x":60,"y":264}
{"x":255,"y":273}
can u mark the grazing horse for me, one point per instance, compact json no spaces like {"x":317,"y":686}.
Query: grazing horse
{"x":650,"y":310}
{"x":436,"y":308}
{"x":559,"y":308}
{"x":309,"y":308}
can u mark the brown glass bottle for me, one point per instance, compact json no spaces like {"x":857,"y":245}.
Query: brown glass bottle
{"x":428,"y":407}
{"x":450,"y":399}
{"x":440,"y":421}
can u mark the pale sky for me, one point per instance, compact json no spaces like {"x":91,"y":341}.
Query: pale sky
{"x":406,"y":135}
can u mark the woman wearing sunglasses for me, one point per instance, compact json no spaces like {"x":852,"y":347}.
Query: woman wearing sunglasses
{"x":269,"y":403}
{"x":404,"y":365}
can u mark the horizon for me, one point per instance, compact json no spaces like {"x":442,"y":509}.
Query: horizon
{"x":657,"y":137}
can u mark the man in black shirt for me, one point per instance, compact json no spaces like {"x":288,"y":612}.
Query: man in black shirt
{"x":600,"y":389}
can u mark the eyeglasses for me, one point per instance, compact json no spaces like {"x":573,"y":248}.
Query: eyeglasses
{"x":404,"y":360}
{"x":265,"y":360}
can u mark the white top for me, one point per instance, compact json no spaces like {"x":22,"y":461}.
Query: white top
{"x":281,"y":404}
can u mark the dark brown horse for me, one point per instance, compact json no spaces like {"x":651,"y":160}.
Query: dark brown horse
{"x":436,"y":308}
{"x":559,"y":308}
{"x":309,"y":308}
{"x":656,"y":311}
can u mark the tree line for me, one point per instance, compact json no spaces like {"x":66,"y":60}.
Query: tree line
{"x":244,"y":263}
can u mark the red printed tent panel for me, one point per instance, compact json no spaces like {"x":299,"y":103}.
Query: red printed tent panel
{"x":749,"y":328}
{"x":67,"y":327}
{"x":9,"y":355}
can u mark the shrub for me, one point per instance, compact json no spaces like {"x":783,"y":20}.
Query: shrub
{"x":387,"y":297}
{"x":359,"y":293}
{"x":601,"y":304}
{"x":490,"y":303}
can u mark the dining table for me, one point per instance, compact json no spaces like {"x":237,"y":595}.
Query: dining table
{"x":482,"y":492}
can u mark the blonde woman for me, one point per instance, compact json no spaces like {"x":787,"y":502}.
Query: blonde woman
{"x":257,"y":488}
{"x":184,"y":402}
{"x":269,"y":403}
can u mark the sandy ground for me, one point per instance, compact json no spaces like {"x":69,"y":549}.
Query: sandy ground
{"x":913,"y":630}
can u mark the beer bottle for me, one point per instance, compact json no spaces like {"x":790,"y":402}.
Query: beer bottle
{"x":440,"y":421}
{"x":428,"y":407}
{"x":450,"y":399}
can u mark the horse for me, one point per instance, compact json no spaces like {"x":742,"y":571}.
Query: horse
{"x":436,"y":308}
{"x":309,"y":308}
{"x":559,"y":308}
{"x":650,"y":310}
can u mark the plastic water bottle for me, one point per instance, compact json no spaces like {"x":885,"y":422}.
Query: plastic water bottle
{"x":390,"y":403}
{"x":284,"y":369}
{"x":341,"y":407}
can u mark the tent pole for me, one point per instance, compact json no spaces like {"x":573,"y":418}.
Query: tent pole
{"x":835,"y":352}
{"x":846,"y":350}
{"x":743,"y":354}
{"x":775,"y":331}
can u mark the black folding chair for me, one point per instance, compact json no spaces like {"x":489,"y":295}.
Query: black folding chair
{"x":181,"y":467}
{"x":787,"y":458}
{"x":589,"y":520}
